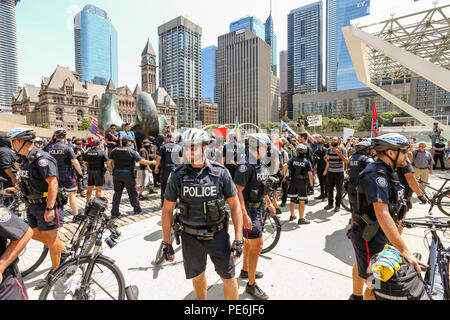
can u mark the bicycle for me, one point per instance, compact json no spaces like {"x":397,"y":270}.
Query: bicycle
{"x":79,"y":277}
{"x":437,"y":275}
{"x":271,"y":225}
{"x":440,"y":197}
{"x":35,"y":252}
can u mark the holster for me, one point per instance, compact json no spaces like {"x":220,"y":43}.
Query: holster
{"x":176,"y":226}
{"x":62,"y":199}
{"x":371,"y":228}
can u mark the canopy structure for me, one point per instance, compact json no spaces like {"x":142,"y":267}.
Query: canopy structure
{"x":415,"y":45}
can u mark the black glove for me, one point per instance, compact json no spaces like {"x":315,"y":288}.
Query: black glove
{"x":237,"y":248}
{"x":167,"y":251}
{"x":423,"y":199}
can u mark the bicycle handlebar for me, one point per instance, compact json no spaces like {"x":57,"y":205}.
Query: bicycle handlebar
{"x":427,"y":224}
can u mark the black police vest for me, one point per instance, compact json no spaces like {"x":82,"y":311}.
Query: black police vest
{"x":199,"y":192}
{"x":33,"y":184}
{"x":256,"y":189}
{"x":396,"y":194}
{"x":356,"y":165}
{"x":170,"y":150}
{"x":298,"y":168}
{"x":59,"y":151}
{"x":123,"y":159}
{"x":94,"y":158}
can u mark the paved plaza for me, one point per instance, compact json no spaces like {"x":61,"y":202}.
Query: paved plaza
{"x":311,"y":262}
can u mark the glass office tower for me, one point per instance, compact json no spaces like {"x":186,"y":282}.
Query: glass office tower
{"x":96,"y":58}
{"x":340,"y":72}
{"x":271,"y":40}
{"x":209,"y":73}
{"x":304,"y":51}
{"x":251,"y":23}
{"x":9,"y":70}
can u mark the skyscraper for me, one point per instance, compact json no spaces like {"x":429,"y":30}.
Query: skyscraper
{"x":96,"y":57}
{"x":271,"y":40}
{"x":180,"y":57}
{"x":244,"y":78}
{"x":304,"y":51}
{"x":251,"y":23}
{"x":9,"y":70}
{"x":209,"y":73}
{"x":340,"y":72}
{"x":283,"y":71}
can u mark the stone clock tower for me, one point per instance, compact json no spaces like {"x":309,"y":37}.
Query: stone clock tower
{"x":148,"y":69}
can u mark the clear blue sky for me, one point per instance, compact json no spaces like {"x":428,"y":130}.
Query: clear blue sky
{"x":46,"y":38}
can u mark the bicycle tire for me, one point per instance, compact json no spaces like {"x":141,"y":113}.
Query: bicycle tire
{"x":35,"y":265}
{"x":345,"y":203}
{"x":443,"y":203}
{"x":67,"y":270}
{"x":274,"y":225}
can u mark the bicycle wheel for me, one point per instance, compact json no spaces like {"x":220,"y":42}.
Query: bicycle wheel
{"x":345,"y":203}
{"x":443,"y":203}
{"x":106,"y":281}
{"x":271,"y":232}
{"x":31,"y":257}
{"x":159,"y":254}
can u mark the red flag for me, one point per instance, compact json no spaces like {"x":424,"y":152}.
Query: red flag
{"x":375,"y":120}
{"x":89,"y":140}
{"x":220,"y":132}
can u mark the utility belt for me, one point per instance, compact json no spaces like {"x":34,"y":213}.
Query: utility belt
{"x":123,"y":170}
{"x":203,"y":234}
{"x":61,"y":198}
{"x":368,"y":226}
{"x":65,"y":168}
{"x":299,"y":177}
{"x":214,"y":211}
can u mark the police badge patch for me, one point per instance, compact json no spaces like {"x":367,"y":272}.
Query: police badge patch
{"x":43,"y":162}
{"x":382,"y":182}
{"x":242,"y":168}
{"x":5,"y":215}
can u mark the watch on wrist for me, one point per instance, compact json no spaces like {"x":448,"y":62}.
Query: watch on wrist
{"x":50,"y":209}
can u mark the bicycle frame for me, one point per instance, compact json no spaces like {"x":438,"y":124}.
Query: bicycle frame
{"x":432,"y":199}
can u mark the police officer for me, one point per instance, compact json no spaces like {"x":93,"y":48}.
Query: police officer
{"x":357,"y":164}
{"x":67,"y":160}
{"x":124,"y":161}
{"x":202,"y":187}
{"x":319,"y":166}
{"x":39,"y":185}
{"x":19,"y":233}
{"x":7,"y":168}
{"x":300,"y":173}
{"x":79,"y":149}
{"x":94,"y":160}
{"x":168,"y":158}
{"x":251,"y":182}
{"x":380,"y":205}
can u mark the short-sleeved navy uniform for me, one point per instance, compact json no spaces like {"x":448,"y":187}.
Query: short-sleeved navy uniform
{"x":11,"y":228}
{"x":195,"y":187}
{"x":96,"y":159}
{"x":64,"y":155}
{"x":39,"y":166}
{"x":356,"y":165}
{"x":298,"y":171}
{"x":375,"y":185}
{"x":170,"y":154}
{"x":7,"y":159}
{"x":125,"y":160}
{"x":251,"y":176}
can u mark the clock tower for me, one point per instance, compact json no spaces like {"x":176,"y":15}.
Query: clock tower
{"x":148,"y":69}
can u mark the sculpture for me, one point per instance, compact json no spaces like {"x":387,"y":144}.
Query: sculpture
{"x":109,"y":114}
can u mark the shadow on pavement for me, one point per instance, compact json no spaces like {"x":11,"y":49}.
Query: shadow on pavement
{"x":338,"y":245}
{"x":320,"y":216}
{"x":215,"y":292}
{"x":155,"y":236}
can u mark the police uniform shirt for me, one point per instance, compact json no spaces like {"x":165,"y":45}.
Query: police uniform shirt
{"x":7,"y":159}
{"x":136,"y":157}
{"x":11,"y":228}
{"x":299,"y":167}
{"x":356,"y":165}
{"x":402,"y":171}
{"x":250,"y":175}
{"x":198,"y":179}
{"x":95,"y":158}
{"x":170,"y":154}
{"x":63,"y":154}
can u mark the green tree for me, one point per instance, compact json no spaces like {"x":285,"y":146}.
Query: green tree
{"x":365,"y":122}
{"x":337,"y":125}
{"x":348,"y":116}
{"x":85,"y":124}
{"x":45,"y":125}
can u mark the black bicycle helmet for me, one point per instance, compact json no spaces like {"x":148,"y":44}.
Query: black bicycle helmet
{"x":301,"y":149}
{"x":24,"y":134}
{"x":60,"y":133}
{"x":391,"y":141}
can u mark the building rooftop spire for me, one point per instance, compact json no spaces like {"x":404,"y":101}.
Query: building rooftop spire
{"x":148,"y":49}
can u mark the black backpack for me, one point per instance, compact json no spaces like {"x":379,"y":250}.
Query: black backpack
{"x":405,"y":284}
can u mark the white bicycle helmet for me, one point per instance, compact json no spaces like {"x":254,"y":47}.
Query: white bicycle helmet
{"x":194,"y":136}
{"x":24,"y":134}
{"x":260,"y":138}
{"x":391,"y":141}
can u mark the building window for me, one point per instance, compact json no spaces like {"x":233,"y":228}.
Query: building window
{"x":303,"y":51}
{"x":69,"y":90}
{"x":59,"y":114}
{"x":303,"y":28}
{"x":80,"y":115}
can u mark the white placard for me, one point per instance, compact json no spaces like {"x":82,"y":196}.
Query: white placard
{"x":315,"y":121}
{"x":347,"y":134}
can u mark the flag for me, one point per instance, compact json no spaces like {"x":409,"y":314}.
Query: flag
{"x":285,"y":127}
{"x":238,"y":131}
{"x":220,"y":132}
{"x":94,"y":128}
{"x":375,"y":120}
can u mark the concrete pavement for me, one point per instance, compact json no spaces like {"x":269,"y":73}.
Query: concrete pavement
{"x":310,"y":262}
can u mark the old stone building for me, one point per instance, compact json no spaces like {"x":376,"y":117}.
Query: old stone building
{"x":209,"y":112}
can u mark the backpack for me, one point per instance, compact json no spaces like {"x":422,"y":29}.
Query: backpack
{"x":405,"y":284}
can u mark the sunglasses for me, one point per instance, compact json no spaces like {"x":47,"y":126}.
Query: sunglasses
{"x":404,"y":151}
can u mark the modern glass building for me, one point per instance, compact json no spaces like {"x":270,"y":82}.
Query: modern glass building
{"x":180,"y":70}
{"x":209,"y":73}
{"x":271,"y":40}
{"x":251,"y":23}
{"x":9,"y":70}
{"x":304,"y":51}
{"x":96,"y":58}
{"x":340,"y":72}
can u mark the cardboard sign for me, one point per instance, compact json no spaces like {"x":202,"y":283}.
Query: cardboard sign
{"x":315,"y":121}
